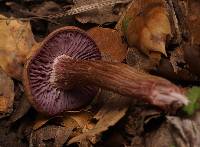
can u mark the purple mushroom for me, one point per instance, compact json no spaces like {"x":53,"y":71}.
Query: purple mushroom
{"x":65,"y":73}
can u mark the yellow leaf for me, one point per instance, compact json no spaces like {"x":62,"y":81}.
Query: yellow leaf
{"x":16,"y":40}
{"x":149,"y":28}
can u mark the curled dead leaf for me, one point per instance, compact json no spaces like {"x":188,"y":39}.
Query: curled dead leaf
{"x":16,"y":41}
{"x":50,"y":136}
{"x":6,"y":94}
{"x":42,"y":120}
{"x":175,"y":131}
{"x":148,"y":26}
{"x":110,"y":43}
{"x":64,"y":127}
{"x":111,"y":112}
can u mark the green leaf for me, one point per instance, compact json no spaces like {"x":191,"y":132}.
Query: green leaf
{"x":193,"y":95}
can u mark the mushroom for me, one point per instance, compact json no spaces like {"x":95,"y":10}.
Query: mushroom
{"x":64,"y":73}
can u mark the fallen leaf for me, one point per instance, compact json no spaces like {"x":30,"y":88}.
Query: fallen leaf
{"x":166,"y":70}
{"x":113,"y":110}
{"x":175,"y":132}
{"x":81,"y":118}
{"x":46,"y":8}
{"x":185,"y":132}
{"x":139,"y":60}
{"x":16,"y":42}
{"x":100,"y":15}
{"x":194,"y":20}
{"x":148,"y":26}
{"x":6,"y":94}
{"x":110,"y":43}
{"x":192,"y":57}
{"x":122,"y":23}
{"x":72,"y":122}
{"x":21,"y":109}
{"x":159,"y":138}
{"x":140,"y":118}
{"x":41,"y":120}
{"x":10,"y":137}
{"x":50,"y":136}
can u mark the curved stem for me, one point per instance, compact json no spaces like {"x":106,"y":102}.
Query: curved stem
{"x":68,"y":73}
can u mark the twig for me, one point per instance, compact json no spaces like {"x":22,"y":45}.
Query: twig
{"x":74,"y":11}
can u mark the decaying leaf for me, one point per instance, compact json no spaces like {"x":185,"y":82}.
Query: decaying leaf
{"x":10,"y":137}
{"x":166,"y":70}
{"x":50,"y":136}
{"x":140,"y":118}
{"x":113,"y":110}
{"x":148,"y":26}
{"x":110,"y":43}
{"x":159,"y":138}
{"x":16,"y":41}
{"x":175,"y":132}
{"x":185,"y":132}
{"x":102,"y":14}
{"x":21,"y":109}
{"x":81,"y":118}
{"x":68,"y":125}
{"x":6,"y":94}
{"x":46,"y":8}
{"x":192,"y":49}
{"x":139,"y":60}
{"x":41,"y":121}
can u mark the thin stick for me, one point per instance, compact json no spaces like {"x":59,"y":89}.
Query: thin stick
{"x":74,"y":11}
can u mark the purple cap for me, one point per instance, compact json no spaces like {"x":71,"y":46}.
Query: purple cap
{"x":44,"y":96}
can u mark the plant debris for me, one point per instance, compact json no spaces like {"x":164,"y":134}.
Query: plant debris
{"x":102,"y":15}
{"x":16,"y":41}
{"x":158,"y":37}
{"x":6,"y":94}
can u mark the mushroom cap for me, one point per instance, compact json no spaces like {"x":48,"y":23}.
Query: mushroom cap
{"x":45,"y":97}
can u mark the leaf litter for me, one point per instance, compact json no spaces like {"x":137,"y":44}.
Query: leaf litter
{"x":108,"y":110}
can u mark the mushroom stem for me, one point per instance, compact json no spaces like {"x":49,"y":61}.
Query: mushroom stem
{"x":68,"y":73}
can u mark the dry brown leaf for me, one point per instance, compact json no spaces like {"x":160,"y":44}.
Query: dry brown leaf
{"x":166,"y":70}
{"x":101,"y":15}
{"x":21,"y":109}
{"x":185,"y":132}
{"x":176,"y":131}
{"x":139,"y":60}
{"x":139,"y":118}
{"x":159,"y":138}
{"x":6,"y":94}
{"x":110,"y":43}
{"x":73,"y":123}
{"x":42,"y":120}
{"x":82,"y":118}
{"x":51,"y":135}
{"x":192,"y":49}
{"x":113,"y":110}
{"x":148,"y":26}
{"x":46,"y":8}
{"x":16,"y":41}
